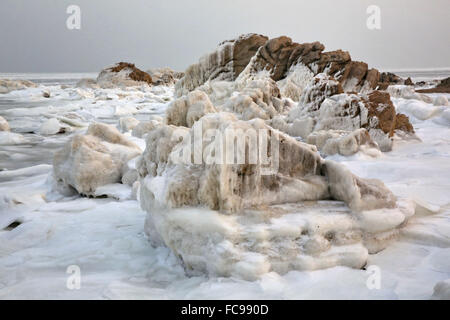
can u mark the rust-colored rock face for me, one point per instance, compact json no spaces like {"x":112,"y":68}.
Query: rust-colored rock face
{"x":279,"y":54}
{"x":136,"y":74}
{"x":402,"y":123}
{"x":244,"y":49}
{"x":380,"y":105}
{"x":255,"y":53}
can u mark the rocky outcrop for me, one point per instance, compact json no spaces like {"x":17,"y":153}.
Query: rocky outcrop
{"x":345,"y":143}
{"x":4,"y":126}
{"x":246,"y":218}
{"x":442,"y":87}
{"x":259,"y":98}
{"x":226,"y":63}
{"x":123,"y":74}
{"x":6,"y":85}
{"x":252,"y":54}
{"x":92,"y":160}
{"x":278,"y":55}
{"x":322,"y":107}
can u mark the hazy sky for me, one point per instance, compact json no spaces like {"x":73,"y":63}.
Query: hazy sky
{"x":175,"y":33}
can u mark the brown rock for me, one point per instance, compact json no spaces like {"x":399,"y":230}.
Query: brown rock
{"x":402,"y":123}
{"x":322,"y":88}
{"x":380,"y":105}
{"x":279,"y":54}
{"x":244,"y":49}
{"x":136,"y":74}
{"x":390,"y":78}
{"x":353,"y":76}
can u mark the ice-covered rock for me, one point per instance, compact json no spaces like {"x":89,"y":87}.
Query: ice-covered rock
{"x":257,"y":98}
{"x":275,"y":210}
{"x":164,"y":76}
{"x":324,"y":108}
{"x":279,"y":55}
{"x":319,"y":88}
{"x":226,"y":63}
{"x":443,"y":86}
{"x":345,"y":143}
{"x":4,"y":126}
{"x":297,"y":79}
{"x":123,"y":74}
{"x":188,"y":109}
{"x":92,"y":160}
{"x":6,"y":85}
{"x":127,"y":123}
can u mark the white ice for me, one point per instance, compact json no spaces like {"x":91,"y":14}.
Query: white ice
{"x":105,"y":236}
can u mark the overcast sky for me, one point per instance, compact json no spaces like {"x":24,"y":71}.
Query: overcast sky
{"x":175,"y":33}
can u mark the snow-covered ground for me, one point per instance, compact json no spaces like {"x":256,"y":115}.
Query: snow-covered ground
{"x":105,"y":237}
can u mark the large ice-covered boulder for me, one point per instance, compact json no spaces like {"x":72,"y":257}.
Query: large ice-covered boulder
{"x":164,"y":76}
{"x":283,"y":59}
{"x":92,"y":160}
{"x":237,"y":198}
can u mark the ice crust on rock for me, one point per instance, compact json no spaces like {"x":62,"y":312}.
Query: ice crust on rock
{"x":324,"y":106}
{"x":346,"y":143}
{"x":164,"y":76}
{"x":280,"y":57}
{"x":188,"y":109}
{"x":92,"y":160}
{"x":225,"y":63}
{"x":7,"y":85}
{"x":235,"y":220}
{"x":4,"y":126}
{"x":122,"y":74}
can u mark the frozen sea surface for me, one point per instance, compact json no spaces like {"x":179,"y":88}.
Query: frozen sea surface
{"x":42,"y":234}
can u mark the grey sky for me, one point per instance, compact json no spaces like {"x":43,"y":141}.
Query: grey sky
{"x":175,"y":33}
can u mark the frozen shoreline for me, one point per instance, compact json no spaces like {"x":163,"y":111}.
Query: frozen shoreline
{"x":61,"y":232}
